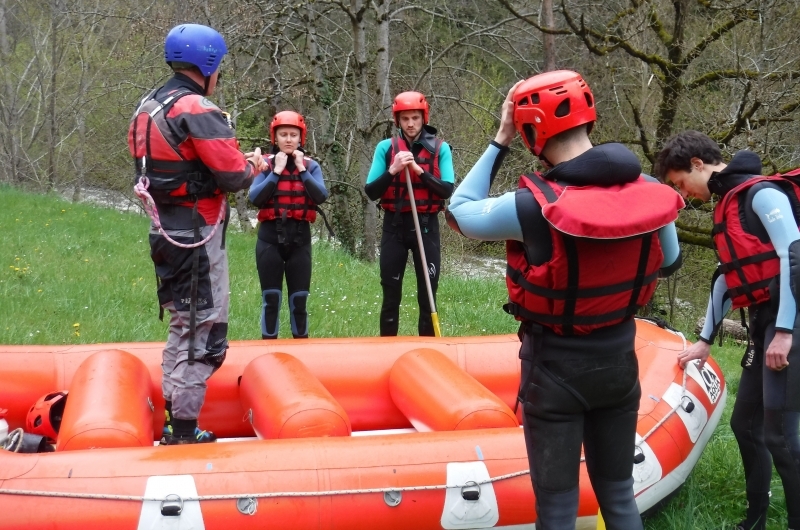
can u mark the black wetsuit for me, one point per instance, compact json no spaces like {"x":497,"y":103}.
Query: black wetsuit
{"x":766,"y":415}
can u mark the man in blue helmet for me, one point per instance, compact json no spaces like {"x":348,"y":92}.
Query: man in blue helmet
{"x":187,"y":158}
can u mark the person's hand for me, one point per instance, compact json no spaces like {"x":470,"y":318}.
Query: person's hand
{"x":401,"y":161}
{"x":698,"y":350}
{"x":507,"y":131}
{"x":280,"y":162}
{"x":415,"y":168}
{"x":255,"y":158}
{"x":777,"y":355}
{"x":299,"y":161}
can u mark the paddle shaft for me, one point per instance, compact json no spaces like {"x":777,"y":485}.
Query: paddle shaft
{"x":434,"y":316}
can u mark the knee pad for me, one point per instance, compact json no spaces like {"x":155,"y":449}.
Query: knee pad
{"x":270,"y":310}
{"x":216,"y":346}
{"x":298,"y":314}
{"x":555,"y":511}
{"x":746,"y":420}
{"x":617,"y":503}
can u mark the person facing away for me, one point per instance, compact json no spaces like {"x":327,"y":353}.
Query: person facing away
{"x":757,"y":242}
{"x":579,"y":267}
{"x":188,"y":157}
{"x":429,"y":161}
{"x":287,"y":194}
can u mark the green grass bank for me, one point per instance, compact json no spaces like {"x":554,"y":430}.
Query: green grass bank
{"x":76,"y":273}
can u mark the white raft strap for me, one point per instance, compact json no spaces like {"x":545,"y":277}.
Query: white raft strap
{"x":234,"y":496}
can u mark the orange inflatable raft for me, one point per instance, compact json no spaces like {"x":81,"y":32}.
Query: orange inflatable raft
{"x":413,"y":433}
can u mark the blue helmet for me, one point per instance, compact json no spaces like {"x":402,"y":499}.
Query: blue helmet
{"x":195,"y":44}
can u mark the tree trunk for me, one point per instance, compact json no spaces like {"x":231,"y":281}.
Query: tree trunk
{"x":51,"y":180}
{"x":729,"y":328}
{"x":8,"y":116}
{"x":363,"y":125}
{"x":549,"y":38}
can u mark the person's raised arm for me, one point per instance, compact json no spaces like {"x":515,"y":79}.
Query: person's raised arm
{"x":472,"y":212}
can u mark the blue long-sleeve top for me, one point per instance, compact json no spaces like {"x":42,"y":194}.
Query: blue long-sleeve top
{"x":495,"y":218}
{"x":266,"y":182}
{"x":775,"y":213}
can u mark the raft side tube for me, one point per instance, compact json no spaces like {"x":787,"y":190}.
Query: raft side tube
{"x":436,"y":395}
{"x":285,"y":400}
{"x":109,"y":404}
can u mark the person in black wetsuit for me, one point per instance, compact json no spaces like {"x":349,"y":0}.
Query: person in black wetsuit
{"x":758,"y":244}
{"x":430,"y":164}
{"x":575,"y":296}
{"x":288,"y":194}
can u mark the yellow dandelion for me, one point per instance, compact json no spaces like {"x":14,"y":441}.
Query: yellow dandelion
{"x":76,"y":325}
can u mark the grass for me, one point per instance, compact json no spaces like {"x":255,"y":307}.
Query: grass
{"x":75,"y":273}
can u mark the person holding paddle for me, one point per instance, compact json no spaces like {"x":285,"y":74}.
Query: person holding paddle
{"x":586,"y":243}
{"x":415,"y":154}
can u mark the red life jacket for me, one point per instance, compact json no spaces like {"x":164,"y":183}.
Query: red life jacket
{"x":396,"y":196}
{"x":605,"y":258}
{"x":749,"y":264}
{"x":290,"y":199}
{"x":173,"y":178}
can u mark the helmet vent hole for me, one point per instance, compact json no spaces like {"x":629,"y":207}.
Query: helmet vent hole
{"x":558,"y":90}
{"x":535,"y":99}
{"x":562,"y":109}
{"x":588,"y":99}
{"x":37,"y":421}
{"x":523,"y":102}
{"x":530,"y":134}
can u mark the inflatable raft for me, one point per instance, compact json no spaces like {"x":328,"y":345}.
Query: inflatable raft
{"x":413,"y":433}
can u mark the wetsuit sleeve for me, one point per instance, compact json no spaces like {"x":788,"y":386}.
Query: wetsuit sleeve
{"x":379,"y":178}
{"x":775,"y":212}
{"x":718,"y":306}
{"x":479,"y":216}
{"x":314,"y":183}
{"x":214,"y":142}
{"x":673,"y":259}
{"x":443,"y":186}
{"x":263,"y":188}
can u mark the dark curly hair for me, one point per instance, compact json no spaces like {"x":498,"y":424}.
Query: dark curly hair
{"x":679,"y":150}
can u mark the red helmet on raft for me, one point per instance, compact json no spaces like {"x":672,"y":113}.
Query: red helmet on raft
{"x":410,"y":101}
{"x":551,"y":103}
{"x":44,"y":417}
{"x":288,"y":118}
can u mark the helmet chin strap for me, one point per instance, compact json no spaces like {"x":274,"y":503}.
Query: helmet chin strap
{"x":545,"y":161}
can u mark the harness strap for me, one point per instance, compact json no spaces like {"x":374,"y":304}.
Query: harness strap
{"x":577,"y":320}
{"x":750,"y":260}
{"x":638,"y":283}
{"x":571,"y":300}
{"x":193,"y":290}
{"x":518,"y":278}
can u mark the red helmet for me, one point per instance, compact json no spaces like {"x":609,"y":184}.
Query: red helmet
{"x":550,"y":103}
{"x":288,"y":118}
{"x":44,"y":418}
{"x":410,"y":101}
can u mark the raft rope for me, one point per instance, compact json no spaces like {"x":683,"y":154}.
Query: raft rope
{"x":149,"y":205}
{"x":236,"y":496}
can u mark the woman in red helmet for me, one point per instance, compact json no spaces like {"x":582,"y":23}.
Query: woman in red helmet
{"x":288,"y":194}
{"x":579,"y":267}
{"x":430,"y":164}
